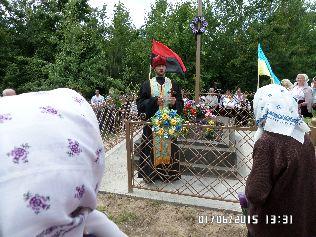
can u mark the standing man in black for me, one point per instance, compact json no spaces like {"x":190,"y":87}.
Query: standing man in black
{"x":157,"y":93}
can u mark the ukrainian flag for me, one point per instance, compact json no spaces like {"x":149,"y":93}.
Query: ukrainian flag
{"x":264,"y":67}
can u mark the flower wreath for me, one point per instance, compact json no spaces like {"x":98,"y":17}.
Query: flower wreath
{"x":195,"y":25}
{"x":167,"y":123}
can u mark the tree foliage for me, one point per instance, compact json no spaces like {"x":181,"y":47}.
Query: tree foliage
{"x":50,"y":44}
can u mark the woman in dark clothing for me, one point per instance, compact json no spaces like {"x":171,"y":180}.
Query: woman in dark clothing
{"x":281,"y":188}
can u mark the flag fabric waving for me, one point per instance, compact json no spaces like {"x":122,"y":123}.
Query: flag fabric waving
{"x":174,"y":62}
{"x":264,"y":67}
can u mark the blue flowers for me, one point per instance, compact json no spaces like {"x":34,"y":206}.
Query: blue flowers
{"x":178,"y":128}
{"x":172,"y":113}
{"x":167,"y":123}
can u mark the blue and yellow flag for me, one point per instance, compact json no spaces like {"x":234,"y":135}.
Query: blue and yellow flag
{"x":264,"y":68}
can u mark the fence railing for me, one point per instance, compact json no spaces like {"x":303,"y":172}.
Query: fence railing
{"x":112,"y":120}
{"x":214,"y":167}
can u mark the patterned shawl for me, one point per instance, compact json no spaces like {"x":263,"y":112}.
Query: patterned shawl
{"x":52,"y":163}
{"x":276,"y":111}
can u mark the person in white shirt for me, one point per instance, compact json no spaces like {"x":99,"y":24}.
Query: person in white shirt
{"x":239,"y":99}
{"x":303,"y":94}
{"x":185,"y":96}
{"x":211,"y":99}
{"x":227,"y":100}
{"x":97,"y":99}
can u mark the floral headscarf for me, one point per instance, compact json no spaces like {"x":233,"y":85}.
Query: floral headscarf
{"x":52,"y":163}
{"x":276,"y":111}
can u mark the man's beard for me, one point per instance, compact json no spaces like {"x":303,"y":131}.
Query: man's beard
{"x":160,"y":74}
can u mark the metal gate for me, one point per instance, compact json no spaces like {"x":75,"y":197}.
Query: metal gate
{"x":213,"y":162}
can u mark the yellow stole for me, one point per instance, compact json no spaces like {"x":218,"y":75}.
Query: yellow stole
{"x":161,"y":146}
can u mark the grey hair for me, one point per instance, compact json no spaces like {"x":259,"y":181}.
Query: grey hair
{"x":8,"y":92}
{"x":304,"y":75}
{"x":287,"y":84}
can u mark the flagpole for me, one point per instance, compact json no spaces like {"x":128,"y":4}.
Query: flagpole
{"x":258,"y":79}
{"x":149,"y":75}
{"x":198,"y":58}
{"x":258,"y":83}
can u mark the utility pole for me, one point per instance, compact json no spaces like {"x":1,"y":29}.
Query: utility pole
{"x":198,"y":58}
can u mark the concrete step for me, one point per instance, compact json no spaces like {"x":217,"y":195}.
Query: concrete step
{"x":205,"y":155}
{"x":208,"y":170}
{"x":208,"y":158}
{"x":199,"y":142}
{"x":200,"y":170}
{"x":217,"y":156}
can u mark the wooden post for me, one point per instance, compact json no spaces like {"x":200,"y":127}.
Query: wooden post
{"x":129,"y":147}
{"x":198,"y":58}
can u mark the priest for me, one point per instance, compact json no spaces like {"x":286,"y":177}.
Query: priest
{"x":157,"y":93}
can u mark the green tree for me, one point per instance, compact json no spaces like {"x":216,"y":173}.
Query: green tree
{"x":80,"y":60}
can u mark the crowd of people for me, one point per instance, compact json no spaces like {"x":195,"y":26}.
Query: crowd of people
{"x":112,"y":116}
{"x":236,"y":106}
{"x":228,"y":100}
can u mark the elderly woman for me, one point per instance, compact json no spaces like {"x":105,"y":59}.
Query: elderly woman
{"x":303,"y":95}
{"x":52,"y":162}
{"x":211,"y":99}
{"x":281,"y":187}
{"x":287,"y":84}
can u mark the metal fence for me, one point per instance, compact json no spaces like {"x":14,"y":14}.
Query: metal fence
{"x":112,"y":122}
{"x":214,"y":167}
{"x":112,"y":119}
{"x":210,"y":162}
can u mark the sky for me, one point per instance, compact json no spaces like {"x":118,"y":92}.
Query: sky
{"x":138,"y":9}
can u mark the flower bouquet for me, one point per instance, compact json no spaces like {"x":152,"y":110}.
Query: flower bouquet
{"x":189,"y":109}
{"x":167,"y":123}
{"x":210,"y":131}
{"x":192,"y":111}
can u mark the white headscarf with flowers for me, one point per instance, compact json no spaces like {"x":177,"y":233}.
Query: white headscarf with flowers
{"x":52,"y":162}
{"x":276,"y":111}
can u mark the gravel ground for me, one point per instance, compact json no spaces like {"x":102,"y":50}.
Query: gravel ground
{"x":143,"y":217}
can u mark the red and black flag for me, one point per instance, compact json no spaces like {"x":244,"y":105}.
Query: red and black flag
{"x":174,"y":62}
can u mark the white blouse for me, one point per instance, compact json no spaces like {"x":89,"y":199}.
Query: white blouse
{"x":298,"y":93}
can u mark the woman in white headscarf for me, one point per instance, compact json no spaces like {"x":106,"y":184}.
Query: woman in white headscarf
{"x":303,"y":95}
{"x":281,"y":187}
{"x":52,"y":162}
{"x":287,"y":84}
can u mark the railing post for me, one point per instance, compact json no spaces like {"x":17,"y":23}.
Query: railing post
{"x":129,"y":147}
